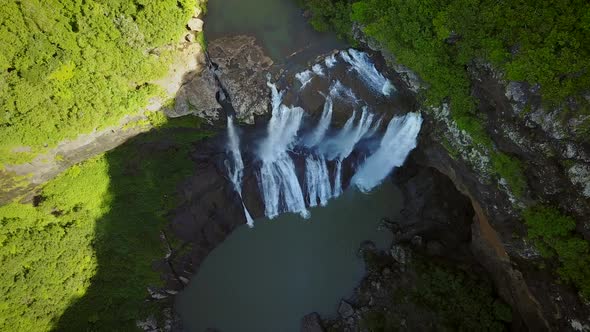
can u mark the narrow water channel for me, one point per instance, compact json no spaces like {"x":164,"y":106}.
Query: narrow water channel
{"x":268,"y":277}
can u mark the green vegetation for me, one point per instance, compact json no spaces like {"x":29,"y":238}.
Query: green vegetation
{"x":510,"y":169}
{"x":462,"y":301}
{"x":536,"y":42}
{"x":69,"y":67}
{"x":79,"y":257}
{"x":554,"y":235}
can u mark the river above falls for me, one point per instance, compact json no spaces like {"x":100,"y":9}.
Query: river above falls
{"x":278,"y":25}
{"x":268,"y":277}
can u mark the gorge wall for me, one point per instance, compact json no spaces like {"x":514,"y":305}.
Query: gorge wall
{"x":553,"y":164}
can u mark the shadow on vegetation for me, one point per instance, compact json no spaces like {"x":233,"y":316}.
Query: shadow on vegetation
{"x":144,"y":173}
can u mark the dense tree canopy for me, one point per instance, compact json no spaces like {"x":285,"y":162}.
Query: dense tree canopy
{"x":71,"y":66}
{"x":544,"y":42}
{"x":80,"y":256}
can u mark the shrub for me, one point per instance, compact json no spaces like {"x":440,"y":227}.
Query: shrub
{"x":69,"y":67}
{"x":554,"y":235}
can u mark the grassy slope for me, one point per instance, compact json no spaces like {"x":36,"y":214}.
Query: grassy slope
{"x":71,"y":66}
{"x":84,"y":253}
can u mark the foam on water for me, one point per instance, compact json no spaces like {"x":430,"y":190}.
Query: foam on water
{"x":280,"y":188}
{"x":361,"y":63}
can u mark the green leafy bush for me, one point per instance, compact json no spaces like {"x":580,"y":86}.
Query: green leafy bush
{"x":543,"y":43}
{"x":80,"y":257}
{"x":463,"y":302}
{"x":554,"y":235}
{"x":69,"y":67}
{"x":510,"y":169}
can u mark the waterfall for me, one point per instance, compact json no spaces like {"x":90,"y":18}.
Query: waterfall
{"x":338,"y":90}
{"x":277,"y":171}
{"x":280,"y":188}
{"x":338,"y":179}
{"x":304,"y":78}
{"x":330,"y":61}
{"x":361,"y":63}
{"x":282,"y":128}
{"x":374,"y":129}
{"x":278,"y":181}
{"x":317,"y":180}
{"x":318,"y":70}
{"x":396,"y":144}
{"x":236,"y":170}
{"x":322,"y":127}
{"x":343,"y":144}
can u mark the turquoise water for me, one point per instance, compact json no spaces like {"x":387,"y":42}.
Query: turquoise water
{"x":278,"y":25}
{"x":268,"y":277}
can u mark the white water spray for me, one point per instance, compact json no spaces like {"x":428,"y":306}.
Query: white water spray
{"x":281,"y":189}
{"x":330,"y":61}
{"x":366,"y":70}
{"x":318,"y":134}
{"x":398,"y":141}
{"x":304,"y":78}
{"x":236,"y":170}
{"x":317,"y":180}
{"x":318,"y":70}
{"x":278,"y":181}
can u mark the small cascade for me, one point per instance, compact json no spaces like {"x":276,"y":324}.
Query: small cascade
{"x":338,"y":90}
{"x":317,"y":180}
{"x":374,"y":129}
{"x":284,"y":153}
{"x":318,"y":70}
{"x":338,"y":179}
{"x":342,"y":145}
{"x":282,"y":128}
{"x":330,"y":61}
{"x":278,"y":181}
{"x":400,"y":138}
{"x":280,"y":188}
{"x":361,"y":63}
{"x":304,"y":78}
{"x":236,"y":170}
{"x":318,"y":134}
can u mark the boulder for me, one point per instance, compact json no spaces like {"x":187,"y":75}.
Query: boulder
{"x":195,"y":24}
{"x":198,"y":11}
{"x":189,"y":37}
{"x":400,"y":254}
{"x":242,"y":67}
{"x":345,"y":309}
{"x":197,"y":97}
{"x":311,"y":323}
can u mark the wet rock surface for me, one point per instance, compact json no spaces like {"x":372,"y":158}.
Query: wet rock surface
{"x":242,"y":66}
{"x":387,"y":298}
{"x":553,"y":152}
{"x":311,"y":323}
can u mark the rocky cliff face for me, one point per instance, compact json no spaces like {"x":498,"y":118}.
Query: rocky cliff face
{"x":553,"y":156}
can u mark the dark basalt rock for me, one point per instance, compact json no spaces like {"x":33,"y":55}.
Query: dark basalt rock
{"x":241,"y":67}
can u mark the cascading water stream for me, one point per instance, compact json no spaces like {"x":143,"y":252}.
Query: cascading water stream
{"x":322,"y":147}
{"x":361,"y":63}
{"x":396,"y":144}
{"x":304,"y":78}
{"x":318,"y":134}
{"x":236,"y":170}
{"x":280,"y":187}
